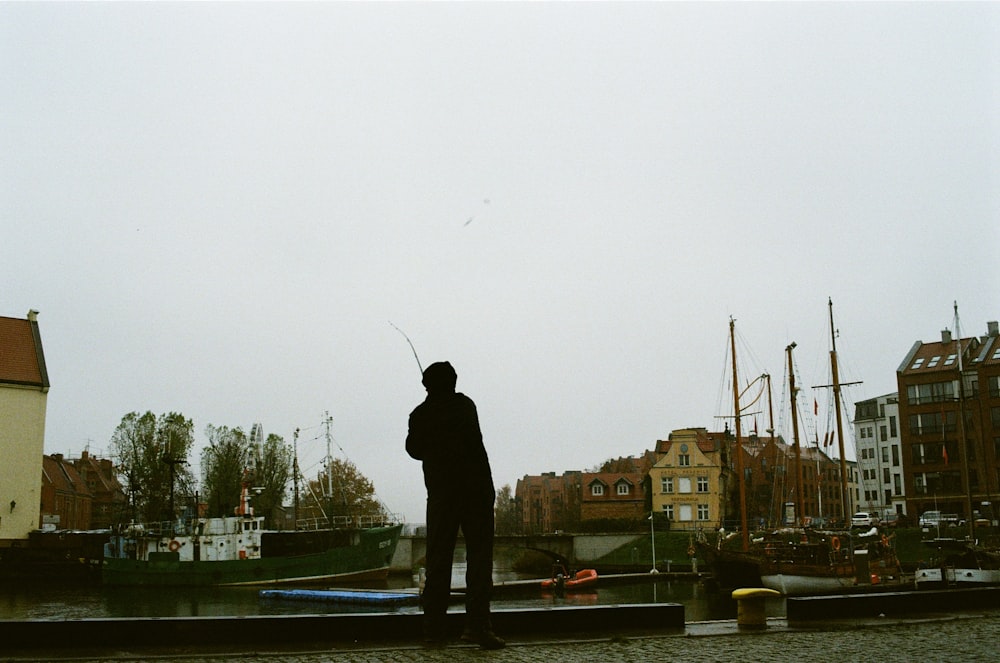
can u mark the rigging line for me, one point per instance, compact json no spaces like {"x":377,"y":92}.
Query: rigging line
{"x":724,"y":380}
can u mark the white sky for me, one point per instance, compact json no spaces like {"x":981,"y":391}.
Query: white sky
{"x":218,"y":208}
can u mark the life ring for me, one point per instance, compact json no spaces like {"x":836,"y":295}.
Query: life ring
{"x":835,"y":543}
{"x":174,"y":545}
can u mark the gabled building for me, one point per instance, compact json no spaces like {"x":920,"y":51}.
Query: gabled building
{"x":612,"y":496}
{"x":686,"y":482}
{"x":949,"y":410}
{"x":66,"y":499}
{"x":24,"y":386}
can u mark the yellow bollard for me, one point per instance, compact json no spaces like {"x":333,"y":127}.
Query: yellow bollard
{"x":750,"y":606}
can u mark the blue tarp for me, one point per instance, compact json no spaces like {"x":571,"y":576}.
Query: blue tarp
{"x":349,"y":596}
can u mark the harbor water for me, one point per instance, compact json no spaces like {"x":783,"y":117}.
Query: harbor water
{"x":96,"y":601}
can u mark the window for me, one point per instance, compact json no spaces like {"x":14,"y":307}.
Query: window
{"x":702,"y":484}
{"x":666,"y":484}
{"x":684,"y":485}
{"x":885,"y":475}
{"x":933,"y":423}
{"x":597,"y":489}
{"x":892,"y":427}
{"x":623,"y":488}
{"x":895,"y":455}
{"x":686,"y":512}
{"x":918,"y":363}
{"x":684,"y":460}
{"x":897,"y":484}
{"x":885,"y":454}
{"x":702,"y":512}
{"x":668,"y":511}
{"x":884,"y":433}
{"x":934,"y":392}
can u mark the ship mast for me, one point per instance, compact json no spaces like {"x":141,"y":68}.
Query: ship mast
{"x":745,"y":535}
{"x":967,"y":478}
{"x":795,"y":435}
{"x":840,"y":426}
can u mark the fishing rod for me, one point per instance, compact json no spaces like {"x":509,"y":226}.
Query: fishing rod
{"x":413,"y":349}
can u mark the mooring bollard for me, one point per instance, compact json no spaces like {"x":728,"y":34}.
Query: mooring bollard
{"x":750,"y":606}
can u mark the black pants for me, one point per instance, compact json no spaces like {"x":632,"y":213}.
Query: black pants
{"x":447,"y":511}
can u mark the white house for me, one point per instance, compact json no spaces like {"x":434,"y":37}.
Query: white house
{"x":24,"y":386}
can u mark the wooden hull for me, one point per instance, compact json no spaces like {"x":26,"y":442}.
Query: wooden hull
{"x":731,"y":569}
{"x":368,"y":558}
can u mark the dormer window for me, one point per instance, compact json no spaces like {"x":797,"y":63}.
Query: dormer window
{"x":623,"y":488}
{"x":597,"y":489}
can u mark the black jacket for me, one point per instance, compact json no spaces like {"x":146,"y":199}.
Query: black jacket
{"x":444,"y":433}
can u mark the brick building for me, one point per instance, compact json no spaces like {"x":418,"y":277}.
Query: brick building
{"x":108,"y":496}
{"x":949,"y":410}
{"x":548,"y":502}
{"x":66,"y":499}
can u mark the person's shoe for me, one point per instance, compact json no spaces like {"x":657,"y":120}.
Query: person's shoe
{"x":434,"y":634}
{"x":486,"y":639}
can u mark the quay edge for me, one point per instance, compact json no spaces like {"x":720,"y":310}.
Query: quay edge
{"x":890,"y":604}
{"x":260,"y":632}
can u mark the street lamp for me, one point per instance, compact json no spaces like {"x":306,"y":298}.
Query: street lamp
{"x":652,"y":541}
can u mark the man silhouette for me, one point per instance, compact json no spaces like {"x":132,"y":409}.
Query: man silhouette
{"x":444,"y":433}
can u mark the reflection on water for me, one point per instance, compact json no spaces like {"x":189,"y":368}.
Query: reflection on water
{"x":699,"y":603}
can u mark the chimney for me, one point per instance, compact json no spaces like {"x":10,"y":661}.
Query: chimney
{"x":991,"y":328}
{"x":946,"y":336}
{"x":33,"y":315}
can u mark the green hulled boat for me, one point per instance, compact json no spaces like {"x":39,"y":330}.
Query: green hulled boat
{"x":237,"y":551}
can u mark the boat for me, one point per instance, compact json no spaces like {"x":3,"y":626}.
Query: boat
{"x":562,"y":581}
{"x":237,"y":550}
{"x":958,"y":563}
{"x":804,"y":561}
{"x":731,"y":568}
{"x":800,"y":559}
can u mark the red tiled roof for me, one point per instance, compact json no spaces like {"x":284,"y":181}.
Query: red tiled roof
{"x":21,"y":358}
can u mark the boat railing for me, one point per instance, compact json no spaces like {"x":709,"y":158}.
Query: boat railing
{"x":345,"y":522}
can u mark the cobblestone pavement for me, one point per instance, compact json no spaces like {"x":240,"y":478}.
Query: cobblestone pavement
{"x":953,"y":640}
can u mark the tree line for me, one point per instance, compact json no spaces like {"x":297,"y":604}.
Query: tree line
{"x":151,"y":457}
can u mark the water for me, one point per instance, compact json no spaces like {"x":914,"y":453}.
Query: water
{"x":59,"y":603}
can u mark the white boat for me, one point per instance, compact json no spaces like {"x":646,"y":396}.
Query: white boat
{"x":958,"y":563}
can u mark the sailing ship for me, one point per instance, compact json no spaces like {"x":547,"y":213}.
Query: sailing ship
{"x":799,"y":559}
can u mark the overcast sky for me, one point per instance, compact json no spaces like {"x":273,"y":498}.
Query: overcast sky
{"x":219,"y":208}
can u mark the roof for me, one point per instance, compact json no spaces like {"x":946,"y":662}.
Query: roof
{"x":62,"y":476}
{"x":943,"y":355}
{"x":22,"y":361}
